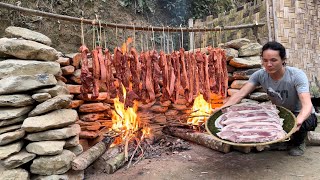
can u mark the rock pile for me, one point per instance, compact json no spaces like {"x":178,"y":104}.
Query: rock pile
{"x":38,"y":135}
{"x":243,"y":60}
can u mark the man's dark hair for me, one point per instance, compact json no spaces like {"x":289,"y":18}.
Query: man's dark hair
{"x":275,"y":46}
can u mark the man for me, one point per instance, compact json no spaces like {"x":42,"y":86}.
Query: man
{"x":286,"y":86}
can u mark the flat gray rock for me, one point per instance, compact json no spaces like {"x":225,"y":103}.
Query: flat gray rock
{"x":72,"y":141}
{"x":56,"y":119}
{"x":58,"y":102}
{"x":12,"y":121}
{"x":237,"y":43}
{"x":15,"y":174}
{"x":16,"y":67}
{"x":16,"y":100}
{"x":244,"y":74}
{"x":77,"y":150}
{"x":252,"y":49}
{"x":259,"y":96}
{"x":9,"y":128}
{"x":13,"y":112}
{"x":9,"y":137}
{"x":49,"y":165}
{"x":70,"y":175}
{"x":46,"y":147}
{"x":245,"y":63}
{"x":26,"y":49}
{"x":18,"y":159}
{"x":231,"y":53}
{"x":19,"y":32}
{"x":55,"y":134}
{"x":54,"y":91}
{"x":22,"y":83}
{"x":7,"y":150}
{"x":41,"y":97}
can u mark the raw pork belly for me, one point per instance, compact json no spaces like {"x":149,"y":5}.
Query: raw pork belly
{"x":248,"y":122}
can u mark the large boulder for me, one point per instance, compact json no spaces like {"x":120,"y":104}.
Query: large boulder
{"x":24,"y":83}
{"x":19,"y":32}
{"x":251,"y":49}
{"x":16,"y":100}
{"x":55,"y":119}
{"x":49,"y":165}
{"x":13,"y":67}
{"x":26,"y":49}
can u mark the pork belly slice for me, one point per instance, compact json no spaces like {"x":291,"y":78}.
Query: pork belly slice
{"x":252,"y":119}
{"x":251,"y":113}
{"x":251,"y":106}
{"x":251,"y":135}
{"x":253,"y":125}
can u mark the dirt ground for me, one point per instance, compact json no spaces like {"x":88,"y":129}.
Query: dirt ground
{"x":203,"y":163}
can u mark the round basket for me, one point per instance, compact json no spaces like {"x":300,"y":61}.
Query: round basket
{"x":289,"y":125}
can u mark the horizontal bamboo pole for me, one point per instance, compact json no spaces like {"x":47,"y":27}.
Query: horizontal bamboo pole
{"x":124,"y":26}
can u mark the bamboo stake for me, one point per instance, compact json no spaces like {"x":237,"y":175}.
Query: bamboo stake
{"x":122,"y":26}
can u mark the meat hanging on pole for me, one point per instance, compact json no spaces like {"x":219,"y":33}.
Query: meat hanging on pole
{"x":135,"y":68}
{"x":156,"y":72}
{"x":165,"y":77}
{"x":149,"y":81}
{"x":184,"y":76}
{"x":103,"y":71}
{"x":96,"y":74}
{"x":86,"y":76}
{"x":109,"y":75}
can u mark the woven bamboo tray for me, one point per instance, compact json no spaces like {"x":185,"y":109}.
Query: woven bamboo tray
{"x":289,"y":125}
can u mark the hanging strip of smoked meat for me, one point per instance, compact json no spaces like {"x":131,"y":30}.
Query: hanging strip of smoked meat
{"x":86,"y":76}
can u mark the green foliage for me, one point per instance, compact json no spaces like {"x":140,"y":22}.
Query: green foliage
{"x":203,"y":8}
{"x":140,"y":5}
{"x":180,"y":11}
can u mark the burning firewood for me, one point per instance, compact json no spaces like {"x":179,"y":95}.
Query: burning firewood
{"x":197,"y":137}
{"x":88,"y":157}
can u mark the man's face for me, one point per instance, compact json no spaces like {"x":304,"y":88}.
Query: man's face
{"x":271,"y":61}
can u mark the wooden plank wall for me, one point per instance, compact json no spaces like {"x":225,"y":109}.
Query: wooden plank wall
{"x":297,"y":28}
{"x":299,"y":31}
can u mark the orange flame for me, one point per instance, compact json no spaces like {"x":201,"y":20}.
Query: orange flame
{"x":126,"y":121}
{"x":201,"y":109}
{"x":124,"y":47}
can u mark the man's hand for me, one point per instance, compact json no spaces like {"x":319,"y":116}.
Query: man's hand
{"x":299,"y":123}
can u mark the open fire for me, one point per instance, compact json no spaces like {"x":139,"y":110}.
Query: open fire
{"x":201,"y":109}
{"x":125,"y":120}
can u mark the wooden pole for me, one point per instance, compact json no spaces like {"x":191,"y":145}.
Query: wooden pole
{"x":268,"y":20}
{"x":82,"y":161}
{"x":197,"y":137}
{"x":122,"y":26}
{"x":275,"y":21}
{"x":191,"y":34}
